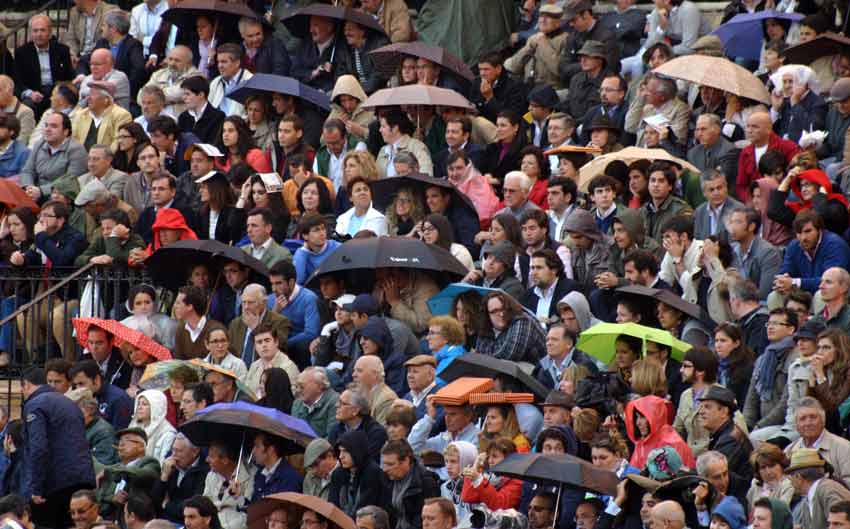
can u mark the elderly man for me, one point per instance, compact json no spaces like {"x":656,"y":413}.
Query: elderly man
{"x":810,"y":422}
{"x":254,"y":313}
{"x":560,"y":354}
{"x":717,"y":407}
{"x":834,"y":285}
{"x":515,"y":189}
{"x":135,"y":472}
{"x":40,"y":64}
{"x":759,"y":132}
{"x":438,"y":513}
{"x":183,"y":475}
{"x":315,"y":401}
{"x":231,"y":76}
{"x":99,"y":433}
{"x":585,"y":85}
{"x":711,"y":216}
{"x":84,"y":509}
{"x":269,"y":355}
{"x":102,"y":66}
{"x":178,"y":67}
{"x":406,"y":484}
{"x":818,"y":492}
{"x":10,"y":104}
{"x":152,"y":101}
{"x":459,"y":427}
{"x":658,"y":97}
{"x":263,"y":53}
{"x":352,"y":413}
{"x":712,"y":150}
{"x":422,"y":381}
{"x":85,"y":26}
{"x":126,"y":50}
{"x":319,"y":462}
{"x":100,"y":167}
{"x":314,"y":62}
{"x":229,"y":484}
{"x":96,"y":200}
{"x":98,"y":123}
{"x":668,"y":515}
{"x":539,"y":57}
{"x":368,"y":375}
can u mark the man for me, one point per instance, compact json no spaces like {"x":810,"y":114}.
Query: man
{"x":515,"y":189}
{"x":365,"y":306}
{"x":54,"y":156}
{"x":603,"y":191}
{"x":57,"y":375}
{"x":710,"y":218}
{"x":192,"y":326}
{"x":163,"y":194}
{"x":744,"y":301}
{"x":299,"y":305}
{"x":85,"y":27}
{"x":145,"y":20}
{"x":672,"y":369}
{"x":319,"y":462}
{"x":831,"y":150}
{"x":231,"y":76}
{"x":10,"y":104}
{"x":100,"y":435}
{"x":682,"y":260}
{"x":95,"y":199}
{"x":560,"y":354}
{"x":290,"y":145}
{"x":438,"y":513}
{"x":183,"y":475}
{"x":766,"y":510}
{"x":547,"y":285}
{"x":100,"y":168}
{"x":152,"y":101}
{"x":138,"y":511}
{"x":173,"y":145}
{"x":275,"y":473}
{"x":199,"y":117}
{"x":315,"y":61}
{"x":98,"y":123}
{"x":352,"y":413}
{"x":13,"y":153}
{"x":263,"y":53}
{"x":819,"y":492}
{"x":459,"y":427}
{"x":396,"y":130}
{"x":201,"y":162}
{"x":102,"y":65}
{"x":114,"y":369}
{"x":56,"y":452}
{"x":713,"y":467}
{"x":254,"y":312}
{"x":754,"y":258}
{"x":535,"y":236}
{"x":717,"y":408}
{"x":115,"y":405}
{"x":368,"y":375}
{"x":640,"y":267}
{"x":561,"y":195}
{"x":815,"y":250}
{"x":269,"y":355}
{"x":494,"y":90}
{"x":668,"y":515}
{"x":834,"y":285}
{"x":767,"y":397}
{"x":406,"y":483}
{"x":611,"y":103}
{"x":41,"y":63}
{"x":127,"y":52}
{"x":230,"y":484}
{"x":810,"y":423}
{"x":497,"y":269}
{"x":759,"y":133}
{"x":422,"y":381}
{"x":317,"y":247}
{"x":198,"y":513}
{"x":627,"y":22}
{"x":662,"y":204}
{"x":579,"y":15}
{"x":315,"y":402}
{"x":178,"y":68}
{"x":393,"y":16}
{"x":589,"y":255}
{"x":585,"y":85}
{"x":84,"y":509}
{"x":337,"y":142}
{"x":458,"y":132}
{"x":263,"y":248}
{"x":541,"y":511}
{"x":195,"y":398}
{"x":713,"y":151}
{"x":658,"y":98}
{"x":226,"y":302}
{"x":560,"y":132}
{"x":542,"y":50}
{"x":372,"y":517}
{"x":839,"y":515}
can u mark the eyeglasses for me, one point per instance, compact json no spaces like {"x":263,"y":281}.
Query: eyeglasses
{"x":428,"y":227}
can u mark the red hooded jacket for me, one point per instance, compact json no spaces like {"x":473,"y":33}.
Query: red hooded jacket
{"x":748,"y":169}
{"x":820,"y":179}
{"x":660,"y":433}
{"x":172,"y":219}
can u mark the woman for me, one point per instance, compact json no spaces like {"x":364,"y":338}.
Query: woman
{"x":769,"y":479}
{"x":536,"y":168}
{"x":647,"y":427}
{"x":178,"y":379}
{"x":500,"y":422}
{"x":361,"y":216}
{"x":406,"y":73}
{"x":831,"y":372}
{"x":276,"y":390}
{"x":346,"y":98}
{"x":375,"y":339}
{"x":627,"y":351}
{"x":255,"y":195}
{"x":512,"y":334}
{"x":469,"y":312}
{"x":237,"y":144}
{"x":437,"y":230}
{"x":493,"y":491}
{"x":681,"y":326}
{"x":353,"y":483}
{"x":218,"y":346}
{"x":17,"y":253}
{"x":638,"y":183}
{"x":405,"y":212}
{"x":355,"y":163}
{"x":139,"y":358}
{"x":445,"y":340}
{"x":149,"y":414}
{"x":735,"y":367}
{"x":609,"y":452}
{"x":503,"y":227}
{"x":218,"y":218}
{"x":293,"y":185}
{"x":648,"y":379}
{"x":130,"y":136}
{"x":571,"y":376}
{"x":314,"y":198}
{"x":814,"y":191}
{"x":458,"y":455}
{"x":400,"y":420}
{"x":605,"y":134}
{"x":258,"y":121}
{"x":141,"y":302}
{"x":503,"y":155}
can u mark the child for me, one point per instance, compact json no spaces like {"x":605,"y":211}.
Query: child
{"x":495,"y":492}
{"x":458,"y":455}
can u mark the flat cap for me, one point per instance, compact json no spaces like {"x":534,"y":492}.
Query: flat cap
{"x":722,"y":396}
{"x":107,"y":86}
{"x":132,"y":431}
{"x":94,"y":191}
{"x":421,"y":360}
{"x":551,"y":10}
{"x":577,"y":7}
{"x":559,"y":399}
{"x":314,"y":450}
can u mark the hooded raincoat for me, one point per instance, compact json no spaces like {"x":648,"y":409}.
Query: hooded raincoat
{"x":358,"y":486}
{"x":830,"y":205}
{"x":660,"y":433}
{"x":160,"y":432}
{"x":590,"y":262}
{"x":632,"y":220}
{"x":170,"y":219}
{"x":349,"y":85}
{"x":452,"y":488}
{"x":395,"y":376}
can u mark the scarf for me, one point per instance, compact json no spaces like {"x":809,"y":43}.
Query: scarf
{"x":399,"y":489}
{"x":723,"y":371}
{"x":774,"y":354}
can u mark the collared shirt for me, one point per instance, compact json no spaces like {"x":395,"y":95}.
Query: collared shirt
{"x":417,"y":398}
{"x":334,"y":166}
{"x":607,"y":212}
{"x":44,"y":66}
{"x":555,"y":369}
{"x":257,"y":252}
{"x":88,"y":36}
{"x":149,"y":24}
{"x":814,"y":445}
{"x":268,"y":471}
{"x":714,"y":215}
{"x":743,"y":257}
{"x":204,"y":48}
{"x":810,"y":496}
{"x":556,"y":222}
{"x":195,"y":333}
{"x":197,"y":115}
{"x":545,"y":300}
{"x":182,"y":473}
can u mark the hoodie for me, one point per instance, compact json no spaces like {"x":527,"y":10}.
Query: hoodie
{"x":451,"y":489}
{"x":581,"y":308}
{"x":160,"y":432}
{"x":780,"y":515}
{"x":349,"y":85}
{"x":376,"y":329}
{"x":632,"y":220}
{"x":169,"y":218}
{"x":354,"y":488}
{"x":660,"y":433}
{"x":590,"y":262}
{"x":730,"y":511}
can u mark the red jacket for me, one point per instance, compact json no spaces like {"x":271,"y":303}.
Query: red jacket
{"x":748,"y":170}
{"x":506,"y":497}
{"x":660,"y":433}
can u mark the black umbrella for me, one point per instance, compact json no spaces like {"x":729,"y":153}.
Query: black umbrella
{"x":479,"y":365}
{"x":298,"y":23}
{"x":668,"y":298}
{"x":225,"y":14}
{"x":170,"y":266}
{"x":278,"y":84}
{"x":361,"y":255}
{"x":385,"y":189}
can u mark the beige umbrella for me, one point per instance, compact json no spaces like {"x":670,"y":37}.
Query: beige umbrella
{"x":417,"y":94}
{"x":716,"y":72}
{"x":628,"y":155}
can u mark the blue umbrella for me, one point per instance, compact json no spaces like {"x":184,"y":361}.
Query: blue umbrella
{"x":742,"y":36}
{"x":278,"y":84}
{"x":442,"y":302}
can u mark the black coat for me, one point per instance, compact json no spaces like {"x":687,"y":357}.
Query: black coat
{"x":230,"y":227}
{"x":529,"y":300}
{"x":465,"y":224}
{"x":207,"y":129}
{"x":307,"y":58}
{"x":271,"y":58}
{"x":508,"y":94}
{"x":118,"y":370}
{"x":499,"y":167}
{"x":423,"y":484}
{"x":373,"y":80}
{"x":618,"y":117}
{"x":375,"y":434}
{"x":27,"y":71}
{"x":144,"y":226}
{"x":348,"y":492}
{"x":191,"y":485}
{"x":131,"y":61}
{"x":570,"y":64}
{"x":737,"y":451}
{"x":628,"y":27}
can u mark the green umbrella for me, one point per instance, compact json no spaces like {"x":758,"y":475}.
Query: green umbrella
{"x":598,"y":341}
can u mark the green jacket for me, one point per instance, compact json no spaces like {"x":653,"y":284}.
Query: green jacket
{"x":101,"y":437}
{"x":137,"y":478}
{"x":692,"y":189}
{"x":323,"y":415}
{"x":111,"y":247}
{"x":323,"y":157}
{"x":655,"y":219}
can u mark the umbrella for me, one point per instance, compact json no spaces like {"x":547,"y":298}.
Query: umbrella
{"x":298,"y":23}
{"x":742,"y":35}
{"x":479,"y":365}
{"x":628,"y":155}
{"x":156,"y":374}
{"x":206,"y":367}
{"x":278,"y":84}
{"x":121,"y":333}
{"x":716,"y":72}
{"x":184,"y":14}
{"x":668,"y":298}
{"x":385,"y":189}
{"x":390,"y":252}
{"x":12,"y":196}
{"x":260,"y":510}
{"x":161,"y":264}
{"x":443,"y":301}
{"x":233,"y":419}
{"x":82,"y":325}
{"x":598,"y":341}
{"x":417,"y":94}
{"x":388,"y":58}
{"x":820,"y":46}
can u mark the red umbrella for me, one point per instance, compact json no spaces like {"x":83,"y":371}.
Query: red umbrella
{"x":138,"y":339}
{"x":13,"y":196}
{"x":82,"y":326}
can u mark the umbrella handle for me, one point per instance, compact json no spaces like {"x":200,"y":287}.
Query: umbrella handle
{"x":558,"y":503}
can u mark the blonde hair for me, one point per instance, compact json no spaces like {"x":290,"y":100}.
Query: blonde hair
{"x":510,"y":429}
{"x":575,"y":374}
{"x":451,"y":450}
{"x":417,"y":210}
{"x":366,"y":162}
{"x":451,"y":328}
{"x":585,"y":424}
{"x":648,"y":378}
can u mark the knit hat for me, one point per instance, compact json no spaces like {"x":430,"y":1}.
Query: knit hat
{"x":314,"y":450}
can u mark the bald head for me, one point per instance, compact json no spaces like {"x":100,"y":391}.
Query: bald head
{"x":834,"y":284}
{"x":668,"y":515}
{"x":40,"y":29}
{"x":759,"y":127}
{"x":179,"y":59}
{"x":102,"y":55}
{"x":368,"y":372}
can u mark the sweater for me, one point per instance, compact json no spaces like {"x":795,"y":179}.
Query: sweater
{"x":303,"y":313}
{"x":185,"y":348}
{"x":307,"y":261}
{"x":831,"y":251}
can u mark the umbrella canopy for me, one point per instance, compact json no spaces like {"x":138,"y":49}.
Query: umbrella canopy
{"x":13,"y":196}
{"x":668,"y":298}
{"x":417,"y":94}
{"x":185,"y":13}
{"x":820,"y":46}
{"x":716,"y":72}
{"x":259,"y":511}
{"x":298,"y":23}
{"x":385,"y":189}
{"x":206,"y":367}
{"x":231,"y":420}
{"x":559,"y":469}
{"x":278,"y":84}
{"x":479,"y":365}
{"x":443,"y":301}
{"x":388,"y":58}
{"x":121,"y":333}
{"x":742,"y":35}
{"x":82,"y":326}
{"x":156,"y":374}
{"x":628,"y":155}
{"x":188,"y":253}
{"x":390,"y":252}
{"x":599,"y":340}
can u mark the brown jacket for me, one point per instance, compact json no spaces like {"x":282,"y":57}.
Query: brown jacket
{"x":185,"y":348}
{"x":395,"y":19}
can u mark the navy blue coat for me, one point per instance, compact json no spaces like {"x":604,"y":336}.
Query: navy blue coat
{"x":284,"y":479}
{"x":114,"y":405}
{"x":56,"y":451}
{"x":473,"y":150}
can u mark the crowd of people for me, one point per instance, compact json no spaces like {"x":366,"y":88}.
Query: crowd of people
{"x":679,"y":315}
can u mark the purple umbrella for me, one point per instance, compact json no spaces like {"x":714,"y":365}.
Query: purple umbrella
{"x":742,"y":36}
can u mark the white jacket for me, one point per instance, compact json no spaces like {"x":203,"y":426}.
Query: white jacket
{"x":217,"y":95}
{"x":374,"y":221}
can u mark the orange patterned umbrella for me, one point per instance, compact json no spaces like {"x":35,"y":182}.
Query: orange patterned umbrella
{"x":122,"y":333}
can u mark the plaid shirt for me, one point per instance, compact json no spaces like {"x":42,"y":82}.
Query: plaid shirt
{"x":523,"y":340}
